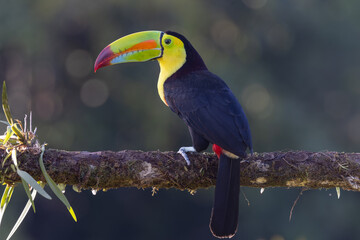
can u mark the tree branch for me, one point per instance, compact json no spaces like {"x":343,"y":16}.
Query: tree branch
{"x":128,"y":168}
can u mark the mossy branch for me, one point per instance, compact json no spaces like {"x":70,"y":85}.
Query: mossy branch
{"x":130,"y":168}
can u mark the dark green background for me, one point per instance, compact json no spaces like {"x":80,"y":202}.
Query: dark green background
{"x":294,"y":66}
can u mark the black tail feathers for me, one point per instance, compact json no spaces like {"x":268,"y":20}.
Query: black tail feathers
{"x":224,"y":217}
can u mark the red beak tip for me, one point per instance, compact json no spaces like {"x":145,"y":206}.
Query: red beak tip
{"x":103,"y":59}
{"x":98,"y":66}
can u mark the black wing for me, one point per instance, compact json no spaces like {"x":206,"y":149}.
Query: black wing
{"x":208,"y":106}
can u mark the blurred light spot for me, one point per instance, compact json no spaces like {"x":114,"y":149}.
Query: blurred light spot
{"x":44,"y":76}
{"x":336,"y":104}
{"x":14,"y":65}
{"x":207,"y":48}
{"x":241,"y":43}
{"x":277,"y":237}
{"x":94,"y":93}
{"x":225,"y":33}
{"x":252,"y":51}
{"x":255,"y":4}
{"x":353,"y":129}
{"x":352,"y":75}
{"x":59,"y":134}
{"x":79,"y":63}
{"x":257,"y":100}
{"x":279,"y":38}
{"x":19,"y":102}
{"x":47,"y":105}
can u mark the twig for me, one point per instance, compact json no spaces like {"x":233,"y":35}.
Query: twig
{"x":295,"y":202}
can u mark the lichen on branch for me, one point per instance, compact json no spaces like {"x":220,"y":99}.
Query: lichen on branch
{"x":132,"y":168}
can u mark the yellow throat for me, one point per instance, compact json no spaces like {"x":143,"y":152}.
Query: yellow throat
{"x":173,"y":58}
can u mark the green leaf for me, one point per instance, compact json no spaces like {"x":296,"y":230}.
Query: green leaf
{"x":18,"y":132}
{"x":5,"y":200}
{"x":32,"y":182}
{"x":54,"y":186}
{"x":5,"y":122}
{"x":25,"y":177}
{"x":27,"y":190}
{"x":8,"y":135}
{"x":26,"y":186}
{"x":22,"y":215}
{"x":70,"y":209}
{"x":13,"y":157}
{"x":6,"y":196}
{"x":5,"y":105}
{"x":6,"y":158}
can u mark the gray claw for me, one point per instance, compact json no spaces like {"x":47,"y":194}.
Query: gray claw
{"x":184,"y":150}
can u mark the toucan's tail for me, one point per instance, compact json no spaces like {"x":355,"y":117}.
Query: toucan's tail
{"x":224,"y":217}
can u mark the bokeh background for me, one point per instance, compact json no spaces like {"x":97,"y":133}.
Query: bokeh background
{"x":294,"y":66}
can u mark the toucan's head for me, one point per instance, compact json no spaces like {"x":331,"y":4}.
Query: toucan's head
{"x":172,"y":50}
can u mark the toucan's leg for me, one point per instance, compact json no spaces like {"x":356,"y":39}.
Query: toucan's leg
{"x":199,"y":144}
{"x":184,"y":150}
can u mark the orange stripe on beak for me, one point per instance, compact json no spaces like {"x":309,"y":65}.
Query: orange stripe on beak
{"x":148,"y":44}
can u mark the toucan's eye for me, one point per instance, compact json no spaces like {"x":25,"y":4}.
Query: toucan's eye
{"x":167,"y":41}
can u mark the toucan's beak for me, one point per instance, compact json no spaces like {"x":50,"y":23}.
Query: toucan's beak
{"x":136,"y":47}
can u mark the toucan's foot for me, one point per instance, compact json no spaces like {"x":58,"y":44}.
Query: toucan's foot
{"x":184,"y":150}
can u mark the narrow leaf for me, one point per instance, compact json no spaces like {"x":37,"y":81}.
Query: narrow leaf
{"x":4,"y":196}
{"x":70,"y":209}
{"x":27,"y":190}
{"x":8,"y":135}
{"x":18,"y":132}
{"x":5,"y":105}
{"x":13,"y":157}
{"x":53,"y":185}
{"x":6,"y":158}
{"x":32,"y":182}
{"x":5,"y":122}
{"x":5,"y":200}
{"x":22,"y":215}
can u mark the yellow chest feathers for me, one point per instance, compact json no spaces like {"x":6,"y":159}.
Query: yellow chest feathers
{"x":173,"y":58}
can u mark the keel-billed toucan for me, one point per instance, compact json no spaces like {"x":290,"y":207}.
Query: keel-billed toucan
{"x":203,"y":101}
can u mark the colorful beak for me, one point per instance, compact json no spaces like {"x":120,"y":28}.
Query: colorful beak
{"x":136,"y":47}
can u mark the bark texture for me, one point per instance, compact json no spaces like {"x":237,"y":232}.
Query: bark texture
{"x":131,"y":168}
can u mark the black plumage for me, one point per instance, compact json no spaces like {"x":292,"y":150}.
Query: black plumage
{"x":210,"y":109}
{"x":213,"y":115}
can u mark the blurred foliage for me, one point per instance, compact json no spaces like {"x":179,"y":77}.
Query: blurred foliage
{"x":293,"y":66}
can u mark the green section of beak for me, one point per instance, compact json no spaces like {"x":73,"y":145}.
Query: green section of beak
{"x":136,"y":47}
